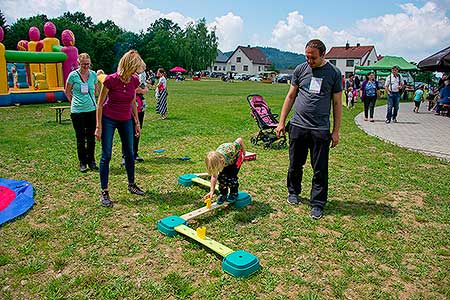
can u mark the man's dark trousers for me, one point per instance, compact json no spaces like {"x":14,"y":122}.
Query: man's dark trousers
{"x":318,"y":142}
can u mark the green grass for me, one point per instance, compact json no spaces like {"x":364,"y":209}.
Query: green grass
{"x":385,"y":234}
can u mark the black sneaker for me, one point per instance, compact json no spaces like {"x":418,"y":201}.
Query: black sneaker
{"x":292,"y":199}
{"x":394,"y":120}
{"x":139,"y":159}
{"x":83,"y":168}
{"x":105,"y":200}
{"x":387,"y":121}
{"x":232,"y":197}
{"x":134,"y":189}
{"x":93,"y":166}
{"x":316,"y":213}
{"x":221,"y":199}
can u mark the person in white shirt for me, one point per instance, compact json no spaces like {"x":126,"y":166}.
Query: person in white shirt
{"x":393,"y":87}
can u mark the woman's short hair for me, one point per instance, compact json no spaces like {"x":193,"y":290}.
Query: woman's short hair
{"x":161,"y":70}
{"x":129,"y":64}
{"x":83,"y":56}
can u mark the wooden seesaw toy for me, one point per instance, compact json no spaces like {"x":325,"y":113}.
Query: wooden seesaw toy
{"x":238,"y":263}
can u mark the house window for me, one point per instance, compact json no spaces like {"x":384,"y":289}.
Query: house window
{"x":259,"y":68}
{"x":215,"y":68}
{"x":333,"y":61}
{"x":368,"y":62}
{"x":245,"y":68}
{"x":238,"y":59}
{"x":233,"y":68}
{"x":350,"y":63}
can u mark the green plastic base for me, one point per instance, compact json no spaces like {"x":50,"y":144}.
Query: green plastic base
{"x":240,"y":264}
{"x":168,"y":224}
{"x":185,"y":179}
{"x":242,"y":200}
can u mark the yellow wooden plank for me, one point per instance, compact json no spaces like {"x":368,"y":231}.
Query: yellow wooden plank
{"x":203,"y":182}
{"x":210,"y":243}
{"x":202,"y":210}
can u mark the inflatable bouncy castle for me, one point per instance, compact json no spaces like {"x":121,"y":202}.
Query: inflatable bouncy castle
{"x":37,"y":71}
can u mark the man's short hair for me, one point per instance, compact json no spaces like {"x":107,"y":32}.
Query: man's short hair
{"x":318,"y":44}
{"x":395,"y":67}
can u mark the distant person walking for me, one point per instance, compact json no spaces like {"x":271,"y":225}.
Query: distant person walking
{"x":418,"y":98}
{"x":81,"y":88}
{"x":316,"y":87}
{"x":161,"y":93}
{"x":370,"y":91}
{"x":393,"y":87}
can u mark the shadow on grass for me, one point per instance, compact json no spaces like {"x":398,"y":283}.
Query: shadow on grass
{"x":163,"y":199}
{"x":354,"y":208}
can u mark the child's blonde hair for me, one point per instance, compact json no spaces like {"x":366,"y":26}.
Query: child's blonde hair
{"x":129,"y":64}
{"x":214,"y":163}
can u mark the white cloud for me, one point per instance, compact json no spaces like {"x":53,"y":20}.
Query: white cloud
{"x":229,"y":30}
{"x":293,"y":33}
{"x":414,"y":33}
{"x":121,"y":12}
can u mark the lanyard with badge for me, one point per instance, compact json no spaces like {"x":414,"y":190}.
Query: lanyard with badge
{"x":84,"y":87}
{"x":315,"y":85}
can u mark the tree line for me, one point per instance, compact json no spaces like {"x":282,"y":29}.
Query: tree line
{"x":163,"y":44}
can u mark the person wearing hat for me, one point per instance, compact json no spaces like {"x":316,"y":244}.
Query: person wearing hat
{"x":393,"y":86}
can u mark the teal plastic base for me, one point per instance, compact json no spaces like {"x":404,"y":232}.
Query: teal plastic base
{"x":185,"y":179}
{"x":168,"y":224}
{"x":240,"y":264}
{"x":242,"y":200}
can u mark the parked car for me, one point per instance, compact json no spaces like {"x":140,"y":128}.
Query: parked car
{"x":217,"y":74}
{"x":284,"y":79}
{"x":239,"y":76}
{"x":255,"y":78}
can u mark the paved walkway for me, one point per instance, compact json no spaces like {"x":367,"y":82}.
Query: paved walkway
{"x":423,"y":132}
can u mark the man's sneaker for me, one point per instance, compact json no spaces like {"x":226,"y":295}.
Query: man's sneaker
{"x":316,"y":213}
{"x":105,"y":200}
{"x":394,"y":120}
{"x":387,"y":121}
{"x":292,"y":199}
{"x":221,"y":199}
{"x":93,"y":166}
{"x":134,"y":189}
{"x":83,"y":168}
{"x":139,"y":159}
{"x":232,"y":197}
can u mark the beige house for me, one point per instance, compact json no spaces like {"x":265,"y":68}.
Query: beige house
{"x":220,"y":65}
{"x":346,"y":58}
{"x":247,"y":60}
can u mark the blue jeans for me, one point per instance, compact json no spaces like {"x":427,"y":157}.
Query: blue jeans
{"x":393,"y":103}
{"x":126,"y":133}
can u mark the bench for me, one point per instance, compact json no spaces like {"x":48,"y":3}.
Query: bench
{"x":58,"y":111}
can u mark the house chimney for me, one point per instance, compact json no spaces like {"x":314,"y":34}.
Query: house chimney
{"x":358,"y":44}
{"x":248,"y":46}
{"x":347,"y":45}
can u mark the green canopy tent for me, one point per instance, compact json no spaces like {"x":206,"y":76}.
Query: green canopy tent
{"x":366,"y":72}
{"x":387,"y":62}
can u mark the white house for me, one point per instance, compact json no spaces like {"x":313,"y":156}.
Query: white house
{"x":220,"y":65}
{"x":346,"y":58}
{"x":247,"y":60}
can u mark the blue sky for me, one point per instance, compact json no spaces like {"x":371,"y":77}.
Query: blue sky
{"x":413,"y":29}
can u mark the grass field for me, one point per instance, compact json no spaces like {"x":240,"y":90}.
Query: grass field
{"x":385,"y":233}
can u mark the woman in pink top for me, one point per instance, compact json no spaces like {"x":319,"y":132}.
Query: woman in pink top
{"x":116,"y":108}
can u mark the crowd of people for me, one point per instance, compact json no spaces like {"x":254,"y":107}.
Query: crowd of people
{"x":315,"y":90}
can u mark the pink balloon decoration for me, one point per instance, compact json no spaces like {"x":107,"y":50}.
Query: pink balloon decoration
{"x":34,"y":34}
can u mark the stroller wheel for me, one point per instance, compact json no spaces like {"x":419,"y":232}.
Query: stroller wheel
{"x":254,"y":140}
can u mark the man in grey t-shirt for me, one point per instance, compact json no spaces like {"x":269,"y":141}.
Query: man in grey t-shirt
{"x":316,"y":85}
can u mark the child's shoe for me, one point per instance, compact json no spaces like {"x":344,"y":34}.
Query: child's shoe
{"x":232,"y":197}
{"x":221,"y":199}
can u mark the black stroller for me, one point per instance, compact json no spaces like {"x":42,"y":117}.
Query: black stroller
{"x":267,"y":123}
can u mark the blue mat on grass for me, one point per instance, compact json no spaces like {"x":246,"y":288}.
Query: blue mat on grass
{"x":16,"y":198}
